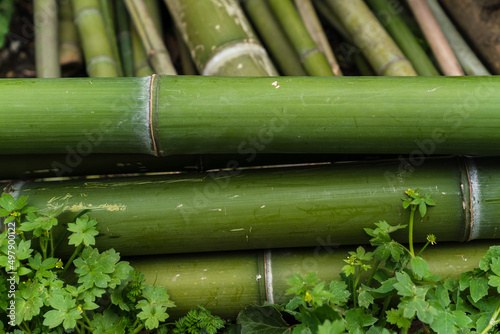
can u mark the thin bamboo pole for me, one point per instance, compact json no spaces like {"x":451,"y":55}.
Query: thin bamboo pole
{"x":46,"y":39}
{"x":313,"y":25}
{"x":109,"y":25}
{"x":274,"y":37}
{"x":225,"y":283}
{"x":223,"y":43}
{"x":467,"y":58}
{"x":375,"y":43}
{"x":188,"y":66}
{"x":275,"y":208}
{"x":387,"y":12}
{"x":166,"y":115}
{"x":141,"y":63}
{"x":150,"y":38}
{"x":432,"y":31}
{"x":124,"y":37}
{"x":314,"y":62}
{"x":96,"y":46}
{"x":481,"y":23}
{"x":70,"y":53}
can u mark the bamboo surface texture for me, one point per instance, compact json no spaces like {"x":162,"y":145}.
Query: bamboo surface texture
{"x":272,"y":208}
{"x":373,"y":40}
{"x":220,"y":38}
{"x":165,"y":115}
{"x":225,"y":283}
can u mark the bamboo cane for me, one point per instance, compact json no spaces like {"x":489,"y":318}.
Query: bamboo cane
{"x":70,"y":54}
{"x":96,"y":46}
{"x":223,"y":43}
{"x":274,"y":37}
{"x":124,"y":37}
{"x":225,"y":283}
{"x":150,"y":38}
{"x":387,"y":12}
{"x":311,"y":22}
{"x":314,"y":62}
{"x":141,"y":63}
{"x":46,"y":39}
{"x":109,"y":25}
{"x":467,"y":58}
{"x":275,"y":208}
{"x":188,"y":66}
{"x":481,"y":23}
{"x":166,"y":115}
{"x":375,"y":43}
{"x":432,"y":31}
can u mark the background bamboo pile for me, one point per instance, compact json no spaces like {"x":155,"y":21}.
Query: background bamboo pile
{"x":324,"y":196}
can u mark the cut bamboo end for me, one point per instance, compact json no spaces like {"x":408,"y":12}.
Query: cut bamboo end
{"x":432,"y":31}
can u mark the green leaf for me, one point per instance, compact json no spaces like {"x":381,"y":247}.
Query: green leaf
{"x":365,"y":299}
{"x":65,"y":312}
{"x":442,"y":295}
{"x":7,"y":202}
{"x":335,"y":327}
{"x":422,"y":208}
{"x":340,"y":293}
{"x":492,"y":253}
{"x":404,"y":285}
{"x":84,"y":231}
{"x":357,"y":319}
{"x":262,"y":320}
{"x":396,"y":317}
{"x":420,"y":267}
{"x":108,"y":323}
{"x":94,"y":268}
{"x":478,"y":288}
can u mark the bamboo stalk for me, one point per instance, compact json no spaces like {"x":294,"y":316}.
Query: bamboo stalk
{"x":276,"y":208}
{"x":274,"y":37}
{"x":434,"y":35}
{"x":481,"y":23}
{"x":46,"y":39}
{"x":109,"y":25}
{"x":70,"y":54}
{"x":387,"y":12}
{"x":225,"y":283}
{"x":124,"y":37}
{"x":329,"y":16}
{"x":311,"y":22}
{"x":141,"y":63}
{"x":375,"y":43}
{"x":223,"y":43}
{"x":314,"y":62}
{"x":150,"y":38}
{"x":96,"y":46}
{"x":467,"y":58}
{"x":188,"y":66}
{"x":153,"y":7}
{"x":198,"y":115}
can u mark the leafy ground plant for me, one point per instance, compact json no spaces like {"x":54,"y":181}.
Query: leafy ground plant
{"x":91,"y":292}
{"x":389,"y":290}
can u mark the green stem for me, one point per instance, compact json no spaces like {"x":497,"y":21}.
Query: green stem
{"x":43,"y":246}
{"x":51,"y":244}
{"x":138,"y":329}
{"x":354,"y":286}
{"x":372,"y":273}
{"x":75,"y":254}
{"x":410,"y":236}
{"x":423,"y":248}
{"x":26,"y":327}
{"x":493,"y":320}
{"x":387,"y":301}
{"x":89,"y":327}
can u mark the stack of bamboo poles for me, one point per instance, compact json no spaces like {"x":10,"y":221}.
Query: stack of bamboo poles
{"x":221,"y":193}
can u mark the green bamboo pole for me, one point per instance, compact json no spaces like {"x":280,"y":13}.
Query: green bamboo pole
{"x":434,"y":35}
{"x":223,"y":42}
{"x":467,"y":58}
{"x":387,"y":12}
{"x":313,"y":25}
{"x":70,"y":53}
{"x":312,"y":59}
{"x":124,"y":37}
{"x":375,"y":43}
{"x":152,"y":42}
{"x":154,"y":11}
{"x":166,"y":115}
{"x":141,"y":63}
{"x":274,"y":37}
{"x":46,"y":39}
{"x":188,"y":66}
{"x":109,"y":24}
{"x":275,"y":208}
{"x":225,"y":283}
{"x":96,"y":46}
